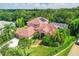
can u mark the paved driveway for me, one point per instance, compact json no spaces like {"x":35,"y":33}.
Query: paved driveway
{"x":74,"y":50}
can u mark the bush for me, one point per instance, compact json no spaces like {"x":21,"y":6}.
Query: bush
{"x":46,"y":40}
{"x":25,"y":43}
{"x":36,"y":35}
{"x":56,"y":40}
{"x":14,"y":52}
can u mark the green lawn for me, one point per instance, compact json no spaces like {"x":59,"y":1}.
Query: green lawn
{"x":41,"y":51}
{"x":44,"y":51}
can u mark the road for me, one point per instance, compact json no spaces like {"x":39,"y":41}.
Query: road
{"x":74,"y":50}
{"x":12,"y":43}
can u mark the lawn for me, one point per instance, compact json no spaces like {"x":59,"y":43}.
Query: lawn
{"x":41,"y":50}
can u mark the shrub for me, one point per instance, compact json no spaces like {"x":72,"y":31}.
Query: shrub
{"x":36,"y":35}
{"x":15,"y":52}
{"x":25,"y":42}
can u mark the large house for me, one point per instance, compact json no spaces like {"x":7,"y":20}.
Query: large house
{"x":39,"y":24}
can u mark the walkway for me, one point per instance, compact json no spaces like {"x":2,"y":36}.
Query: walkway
{"x":36,"y":43}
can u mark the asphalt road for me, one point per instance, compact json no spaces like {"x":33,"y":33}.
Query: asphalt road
{"x":74,"y":50}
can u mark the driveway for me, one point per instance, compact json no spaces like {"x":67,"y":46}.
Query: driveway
{"x":74,"y":50}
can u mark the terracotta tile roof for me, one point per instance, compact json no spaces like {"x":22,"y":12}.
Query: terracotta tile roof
{"x":36,"y":22}
{"x":47,"y":29}
{"x":41,"y":27}
{"x":25,"y":32}
{"x":52,"y":29}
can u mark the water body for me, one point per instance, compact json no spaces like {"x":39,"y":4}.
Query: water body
{"x":37,"y":5}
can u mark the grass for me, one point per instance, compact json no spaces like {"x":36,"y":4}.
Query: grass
{"x":41,"y":51}
{"x":65,"y":51}
{"x":38,"y":51}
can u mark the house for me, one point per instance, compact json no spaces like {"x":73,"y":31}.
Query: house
{"x":42,"y":25}
{"x":37,"y":22}
{"x":25,"y":32}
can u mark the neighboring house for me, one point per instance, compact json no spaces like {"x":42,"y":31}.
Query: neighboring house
{"x":37,"y":22}
{"x":2,"y":23}
{"x":25,"y":32}
{"x":60,"y":25}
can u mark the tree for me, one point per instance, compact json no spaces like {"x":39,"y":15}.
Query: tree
{"x":74,"y":26}
{"x":56,"y":40}
{"x":7,"y":33}
{"x":20,"y":22}
{"x":25,"y":42}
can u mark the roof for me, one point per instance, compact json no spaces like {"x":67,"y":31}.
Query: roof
{"x":25,"y":32}
{"x":2,"y":23}
{"x":47,"y":29}
{"x":38,"y":21}
{"x":60,"y":25}
{"x":52,"y":29}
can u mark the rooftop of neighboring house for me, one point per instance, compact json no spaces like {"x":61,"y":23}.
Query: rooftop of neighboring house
{"x":25,"y":32}
{"x":2,"y":23}
{"x":60,"y":25}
